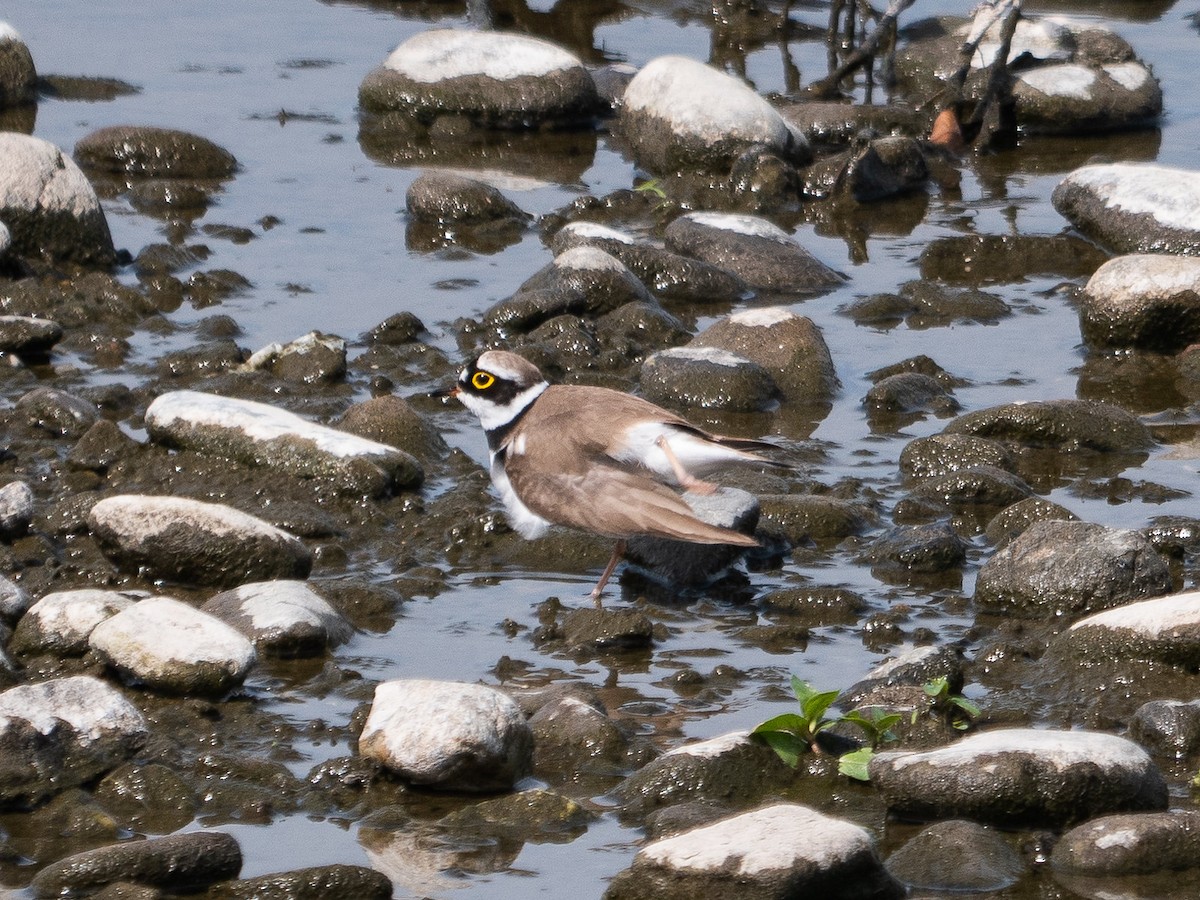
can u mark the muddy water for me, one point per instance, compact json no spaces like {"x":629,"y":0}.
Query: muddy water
{"x":276,"y":83}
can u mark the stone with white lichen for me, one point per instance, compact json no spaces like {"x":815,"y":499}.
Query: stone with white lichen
{"x":61,"y":622}
{"x":283,"y":618}
{"x":1146,"y":300}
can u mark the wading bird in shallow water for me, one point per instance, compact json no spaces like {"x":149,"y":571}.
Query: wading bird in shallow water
{"x":595,"y":459}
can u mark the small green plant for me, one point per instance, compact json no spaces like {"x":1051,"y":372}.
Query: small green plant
{"x":652,"y":186}
{"x":955,"y":708}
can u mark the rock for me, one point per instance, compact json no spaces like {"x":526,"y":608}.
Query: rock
{"x":171,"y":647}
{"x":57,"y":411}
{"x":16,"y":509}
{"x":678,"y":114}
{"x":835,"y":125}
{"x":1057,"y":568}
{"x":1149,"y":302}
{"x":636,"y":329}
{"x":816,"y":606}
{"x":582,"y":281}
{"x":964,"y":490}
{"x":1008,"y":258}
{"x":593,"y":631}
{"x":925,"y":304}
{"x":315,"y":883}
{"x":778,"y":851}
{"x":819,"y":517}
{"x":1018,"y":777}
{"x":179,"y":863}
{"x":101,"y":446}
{"x":790,"y":347}
{"x":917,"y":549}
{"x":63,"y":732}
{"x":450,"y":198}
{"x":914,"y":668}
{"x":533,"y":815}
{"x":48,"y":205}
{"x":1070,"y":98}
{"x":392,"y":421}
{"x":281,"y":618}
{"x":1064,"y":424}
{"x":494,"y":79}
{"x":573,"y":739}
{"x":1016,"y":518}
{"x":880,"y":168}
{"x":311,"y":358}
{"x":462,"y":737}
{"x":148,"y":797}
{"x":140,"y":151}
{"x":957,"y":856}
{"x":1166,"y":629}
{"x":681,"y":564}
{"x":762,"y":254}
{"x":1130,"y":844}
{"x":25,"y":335}
{"x":1167,"y":727}
{"x":1133,"y":208}
{"x":61,"y":623}
{"x":941,"y":454}
{"x":13,"y":600}
{"x":708,"y":378}
{"x":184,"y":540}
{"x":733,"y":768}
{"x":18,"y":77}
{"x":908,"y":393}
{"x":669,"y":275}
{"x":257,"y":434}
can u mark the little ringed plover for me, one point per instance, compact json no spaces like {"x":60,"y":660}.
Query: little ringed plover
{"x":593,"y":458}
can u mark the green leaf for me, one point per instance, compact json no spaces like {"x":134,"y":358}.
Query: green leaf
{"x":814,"y":707}
{"x":937,"y":687}
{"x":789,"y":722}
{"x":966,"y":705}
{"x":787,"y":746}
{"x":854,"y":764}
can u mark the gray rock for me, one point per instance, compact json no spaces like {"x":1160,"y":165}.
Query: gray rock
{"x":447,"y":197}
{"x":463,"y":737}
{"x":1064,"y":424}
{"x":391,"y":420}
{"x":311,"y":358}
{"x":678,"y":114}
{"x":681,"y":564}
{"x":914,"y":668}
{"x":13,"y":600}
{"x":816,"y":606}
{"x":636,"y":329}
{"x":593,"y":632}
{"x":908,"y":393}
{"x":963,"y":490}
{"x":1166,"y":629}
{"x":27,"y":336}
{"x":583,"y":281}
{"x":189,"y":541}
{"x":1151,"y":302}
{"x":57,"y":411}
{"x":669,"y":275}
{"x":779,"y":851}
{"x":48,"y":205}
{"x":101,"y":446}
{"x":1169,"y":727}
{"x":315,"y":883}
{"x":1070,"y":98}
{"x":18,"y":77}
{"x":880,"y":168}
{"x":140,"y":151}
{"x":790,"y":347}
{"x":1133,"y":208}
{"x":281,"y":618}
{"x":926,"y":304}
{"x":63,"y":732}
{"x":1013,"y":520}
{"x":1021,"y":777}
{"x":1057,"y":568}
{"x":494,"y":79}
{"x":917,"y":549}
{"x":61,"y":623}
{"x":733,"y":768}
{"x":1130,"y":844}
{"x":707,"y":378}
{"x":1008,"y":258}
{"x":180,"y":863}
{"x":171,"y":647}
{"x":532,"y":816}
{"x":818,"y":517}
{"x":16,"y":509}
{"x":257,"y":434}
{"x":957,"y":856}
{"x":572,"y":738}
{"x":941,"y":454}
{"x":762,"y":254}
{"x":836,"y":125}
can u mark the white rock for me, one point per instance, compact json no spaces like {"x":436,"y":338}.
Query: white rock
{"x":16,"y":509}
{"x":739,"y":223}
{"x":1067,"y":80}
{"x":1157,"y":618}
{"x":448,"y":735}
{"x":589,"y":258}
{"x":13,"y":600}
{"x":282,"y":618}
{"x":172,"y":647}
{"x":445,"y":53}
{"x":63,"y":621}
{"x":91,"y":707}
{"x":1053,"y":748}
{"x":1170,"y":196}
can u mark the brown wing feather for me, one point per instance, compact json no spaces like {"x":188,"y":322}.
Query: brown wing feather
{"x":614,"y":502}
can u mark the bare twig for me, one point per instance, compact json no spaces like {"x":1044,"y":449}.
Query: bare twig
{"x":864,"y":54}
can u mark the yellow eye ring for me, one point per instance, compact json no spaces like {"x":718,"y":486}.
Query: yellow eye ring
{"x":482,"y":381}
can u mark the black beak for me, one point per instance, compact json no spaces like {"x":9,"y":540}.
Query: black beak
{"x":445,"y":393}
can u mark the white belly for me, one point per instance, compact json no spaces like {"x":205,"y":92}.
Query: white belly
{"x":525,"y":521}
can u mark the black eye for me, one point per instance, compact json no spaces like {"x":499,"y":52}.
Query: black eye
{"x":482,"y":381}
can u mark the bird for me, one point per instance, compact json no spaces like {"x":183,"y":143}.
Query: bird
{"x":595,"y":459}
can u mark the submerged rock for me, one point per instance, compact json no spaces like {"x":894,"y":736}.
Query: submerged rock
{"x":257,"y":434}
{"x":1134,"y":208}
{"x":314,"y":883}
{"x":880,"y":168}
{"x":194,"y":542}
{"x":1021,"y":777}
{"x":171,"y":647}
{"x":140,"y":151}
{"x":49,"y":206}
{"x":461,"y":737}
{"x":1060,"y":568}
{"x":957,"y":856}
{"x":780,"y":851}
{"x":494,"y":79}
{"x":678,"y":114}
{"x":1151,"y":302}
{"x":282,"y":618}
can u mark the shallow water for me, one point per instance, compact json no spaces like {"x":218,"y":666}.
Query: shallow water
{"x":276,"y":83}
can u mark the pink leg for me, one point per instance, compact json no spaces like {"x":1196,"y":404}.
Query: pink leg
{"x":686,"y":479}
{"x":618,"y":554}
